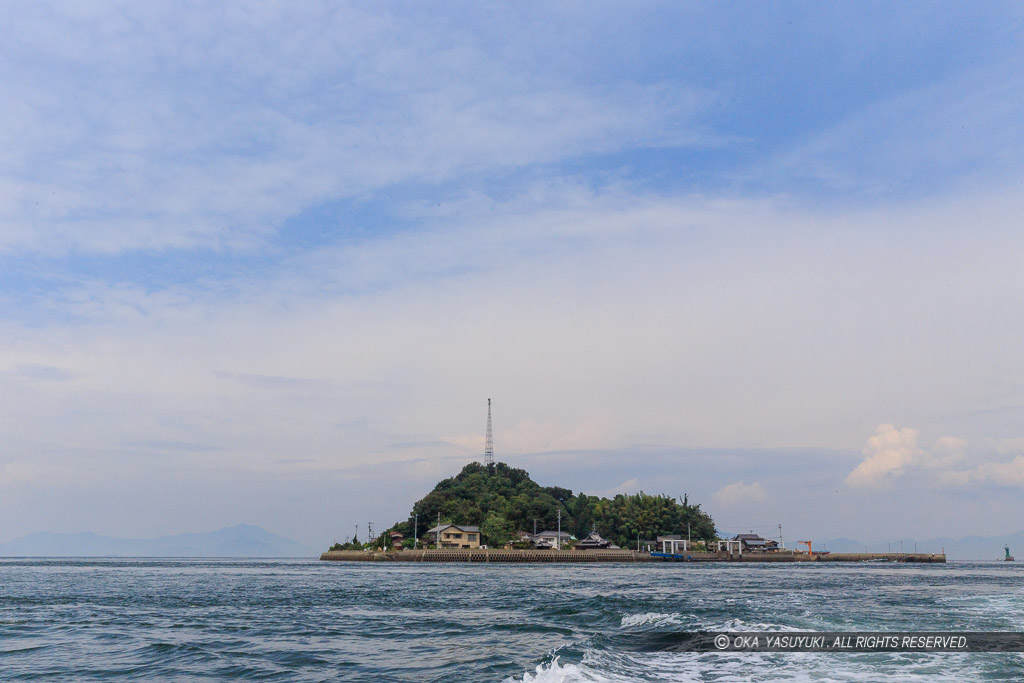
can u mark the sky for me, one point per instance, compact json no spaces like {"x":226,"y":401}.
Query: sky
{"x":266,"y":262}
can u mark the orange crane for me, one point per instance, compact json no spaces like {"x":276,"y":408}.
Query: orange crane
{"x":808,"y":544}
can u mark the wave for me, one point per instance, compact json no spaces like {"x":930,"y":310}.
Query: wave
{"x":608,"y":667}
{"x":651,"y":618}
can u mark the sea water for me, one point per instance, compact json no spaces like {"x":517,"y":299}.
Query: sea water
{"x":304,"y":620}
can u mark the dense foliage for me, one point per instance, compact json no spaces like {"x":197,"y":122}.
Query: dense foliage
{"x":503,"y":500}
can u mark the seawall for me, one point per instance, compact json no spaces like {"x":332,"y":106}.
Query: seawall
{"x":479,"y":555}
{"x":576,"y":556}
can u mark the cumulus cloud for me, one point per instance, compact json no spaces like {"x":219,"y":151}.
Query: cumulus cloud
{"x":947,"y":452}
{"x":740,"y":492}
{"x":887,"y":455}
{"x":892,"y":453}
{"x":1004,"y":473}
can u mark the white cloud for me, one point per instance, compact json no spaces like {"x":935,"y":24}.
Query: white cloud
{"x":740,"y":493}
{"x":1009,"y":446}
{"x":628,"y":487}
{"x":928,"y":134}
{"x":888,"y":455}
{"x":597,"y":318}
{"x":195,"y":127}
{"x":600,"y":322}
{"x":947,"y":452}
{"x":1002,"y":473}
{"x":893,"y":453}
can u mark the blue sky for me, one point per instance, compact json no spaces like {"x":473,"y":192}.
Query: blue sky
{"x":265,"y":263}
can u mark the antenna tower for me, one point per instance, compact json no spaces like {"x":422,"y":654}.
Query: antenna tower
{"x":489,"y":445}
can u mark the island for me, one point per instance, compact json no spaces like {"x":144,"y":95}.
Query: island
{"x":497,"y":513}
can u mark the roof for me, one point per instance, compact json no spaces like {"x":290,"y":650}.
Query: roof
{"x":461,"y":527}
{"x":594,"y":539}
{"x":750,"y":539}
{"x":670,"y":537}
{"x":553,"y":534}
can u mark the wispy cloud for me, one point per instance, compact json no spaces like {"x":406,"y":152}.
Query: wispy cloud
{"x":38,"y":372}
{"x":285,"y":245}
{"x":952,"y":133}
{"x":158,"y":141}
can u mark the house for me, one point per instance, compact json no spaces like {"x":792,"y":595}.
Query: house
{"x":396,"y":540}
{"x":455,"y":536}
{"x":751,"y":542}
{"x":524,"y":537}
{"x":551,"y":539}
{"x":594,"y":542}
{"x":520,"y":540}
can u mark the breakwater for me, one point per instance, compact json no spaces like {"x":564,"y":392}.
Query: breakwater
{"x":630,"y":556}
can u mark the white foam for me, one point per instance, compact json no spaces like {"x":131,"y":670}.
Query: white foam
{"x":650,"y":618}
{"x":741,"y":625}
{"x":553,"y":672}
{"x":743,"y":667}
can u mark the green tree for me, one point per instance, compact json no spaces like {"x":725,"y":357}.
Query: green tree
{"x":496,"y":530}
{"x":502,"y":500}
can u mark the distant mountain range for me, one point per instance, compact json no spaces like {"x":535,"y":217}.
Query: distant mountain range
{"x":967,"y":548}
{"x":244,"y":540}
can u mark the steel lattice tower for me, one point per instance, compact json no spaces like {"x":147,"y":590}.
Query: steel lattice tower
{"x":489,"y":445}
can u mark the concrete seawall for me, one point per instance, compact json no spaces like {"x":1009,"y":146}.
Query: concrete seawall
{"x":575,"y":556}
{"x":487,"y":556}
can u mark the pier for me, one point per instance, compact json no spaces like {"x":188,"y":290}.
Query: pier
{"x":577,"y":556}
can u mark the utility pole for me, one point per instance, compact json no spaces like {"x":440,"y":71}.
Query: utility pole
{"x":416,"y":532}
{"x":534,"y":526}
{"x":369,"y":531}
{"x":438,"y":542}
{"x":356,"y":537}
{"x":782,"y":546}
{"x":688,"y":540}
{"x":558,"y":543}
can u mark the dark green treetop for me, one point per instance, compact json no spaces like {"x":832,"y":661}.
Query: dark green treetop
{"x":503,"y":500}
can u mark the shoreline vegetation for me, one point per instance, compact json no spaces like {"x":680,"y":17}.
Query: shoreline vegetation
{"x":505,"y":504}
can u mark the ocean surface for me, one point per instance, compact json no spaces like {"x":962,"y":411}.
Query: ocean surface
{"x":304,"y":620}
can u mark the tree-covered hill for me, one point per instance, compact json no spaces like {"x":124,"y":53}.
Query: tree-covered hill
{"x":503,"y":500}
